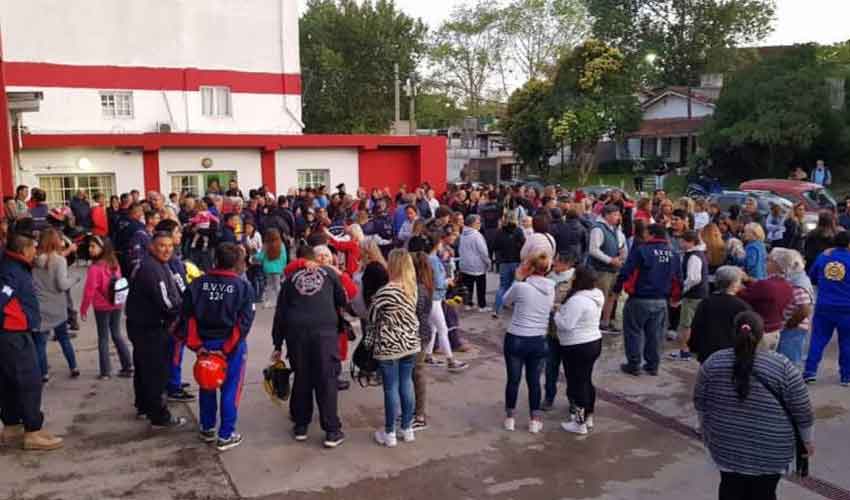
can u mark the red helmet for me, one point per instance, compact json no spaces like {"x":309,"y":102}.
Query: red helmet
{"x":210,"y":371}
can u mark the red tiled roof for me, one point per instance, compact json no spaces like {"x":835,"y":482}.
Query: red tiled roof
{"x":669,"y":127}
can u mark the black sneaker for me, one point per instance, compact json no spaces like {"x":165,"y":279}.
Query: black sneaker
{"x":342,"y":385}
{"x":173,"y":423}
{"x":629,"y":370}
{"x":300,"y":433}
{"x":419,"y":424}
{"x":547,"y":405}
{"x":181,"y":397}
{"x":185,"y":385}
{"x":126,"y":373}
{"x":208,"y":436}
{"x":233,"y":441}
{"x":75,"y":373}
{"x":334,"y":439}
{"x":651,"y":371}
{"x":810,"y":379}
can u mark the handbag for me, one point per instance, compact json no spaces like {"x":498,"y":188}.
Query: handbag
{"x":802,"y":454}
{"x":364,"y":366}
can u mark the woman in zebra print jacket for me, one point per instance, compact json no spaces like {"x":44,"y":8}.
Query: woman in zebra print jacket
{"x":393,"y":335}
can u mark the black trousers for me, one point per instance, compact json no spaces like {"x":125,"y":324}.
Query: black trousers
{"x":20,"y":382}
{"x":743,"y":487}
{"x":152,"y":361}
{"x":578,"y":364}
{"x":315,"y":359}
{"x":480,"y":285}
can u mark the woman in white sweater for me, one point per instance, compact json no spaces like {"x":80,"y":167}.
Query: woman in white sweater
{"x":581,"y":344}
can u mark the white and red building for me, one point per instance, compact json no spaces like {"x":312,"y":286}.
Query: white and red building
{"x":110,"y":96}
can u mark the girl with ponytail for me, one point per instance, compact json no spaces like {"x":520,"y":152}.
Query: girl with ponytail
{"x":753,"y":408}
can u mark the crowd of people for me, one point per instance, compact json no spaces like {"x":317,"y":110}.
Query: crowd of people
{"x":739,"y":291}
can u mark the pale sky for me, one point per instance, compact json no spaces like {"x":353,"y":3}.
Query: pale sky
{"x":822,"y":21}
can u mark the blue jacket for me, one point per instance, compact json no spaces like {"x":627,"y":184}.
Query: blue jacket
{"x":399,"y":217}
{"x":440,"y":282}
{"x":228,"y":236}
{"x":138,"y":249}
{"x":218,"y":306}
{"x":831,"y":274}
{"x":652,"y":271}
{"x":755,"y":262}
{"x":381,"y":225}
{"x":18,"y":301}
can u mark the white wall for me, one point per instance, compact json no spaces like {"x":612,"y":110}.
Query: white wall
{"x":343,"y":164}
{"x":676,"y":107}
{"x":208,"y":34}
{"x":245,"y":162}
{"x":126,"y":165}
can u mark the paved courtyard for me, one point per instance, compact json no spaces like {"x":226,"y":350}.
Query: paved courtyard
{"x":643,"y":446}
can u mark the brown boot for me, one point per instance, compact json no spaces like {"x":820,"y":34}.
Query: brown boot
{"x":12,"y":435}
{"x":42,"y":441}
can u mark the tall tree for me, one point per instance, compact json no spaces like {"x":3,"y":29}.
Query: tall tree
{"x":465,"y":52}
{"x":526,"y":124}
{"x":348,"y":49}
{"x":593,"y":91}
{"x":536,"y":31}
{"x":775,"y":112}
{"x":687,"y":37}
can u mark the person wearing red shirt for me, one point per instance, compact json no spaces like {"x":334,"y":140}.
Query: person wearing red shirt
{"x":100,"y":222}
{"x":769,"y":297}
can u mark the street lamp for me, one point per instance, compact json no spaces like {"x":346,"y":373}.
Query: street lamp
{"x":650,"y":58}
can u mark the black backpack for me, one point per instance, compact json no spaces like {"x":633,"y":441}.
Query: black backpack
{"x":364,"y":366}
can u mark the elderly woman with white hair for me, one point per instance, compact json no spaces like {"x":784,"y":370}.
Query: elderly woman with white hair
{"x":712,"y":328}
{"x":798,"y":313}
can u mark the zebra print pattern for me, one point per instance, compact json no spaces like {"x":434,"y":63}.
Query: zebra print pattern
{"x":393,"y":331}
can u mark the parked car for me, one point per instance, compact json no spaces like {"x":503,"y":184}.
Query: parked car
{"x":814,"y":196}
{"x":765,"y":199}
{"x":595,"y":191}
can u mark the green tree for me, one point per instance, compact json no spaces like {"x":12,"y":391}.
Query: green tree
{"x":434,"y":110}
{"x":776,"y":112}
{"x":348,"y":49}
{"x":687,"y":37}
{"x":593,"y":95}
{"x":465,"y":53}
{"x":536,"y":31}
{"x":526,"y":124}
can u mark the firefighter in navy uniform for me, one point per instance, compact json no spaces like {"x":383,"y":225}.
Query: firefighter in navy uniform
{"x":20,"y":377}
{"x":219,"y":311}
{"x":153,"y":308}
{"x":306,"y":318}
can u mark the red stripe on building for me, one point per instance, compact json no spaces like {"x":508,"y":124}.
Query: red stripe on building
{"x":28,"y":74}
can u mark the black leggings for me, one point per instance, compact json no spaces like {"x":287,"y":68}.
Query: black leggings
{"x":480,"y":284}
{"x":578,"y":364}
{"x":743,"y":487}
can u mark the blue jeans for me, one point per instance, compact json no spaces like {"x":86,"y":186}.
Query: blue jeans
{"x":791,"y":345}
{"x":644,"y":322}
{"x":507,"y":270}
{"x":64,"y":340}
{"x":824,"y":324}
{"x":528,"y":352}
{"x":397,"y":375}
{"x":109,"y":326}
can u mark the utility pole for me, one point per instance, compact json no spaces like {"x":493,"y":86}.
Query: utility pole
{"x":397,"y":98}
{"x":411,"y":92}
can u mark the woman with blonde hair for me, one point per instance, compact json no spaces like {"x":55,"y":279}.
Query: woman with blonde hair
{"x":350,"y":247}
{"x":51,"y":279}
{"x":715,"y":247}
{"x":755,"y":252}
{"x":393,"y":336}
{"x":532,"y":295}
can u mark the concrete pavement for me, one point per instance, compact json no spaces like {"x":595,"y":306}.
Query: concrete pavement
{"x":638,"y":450}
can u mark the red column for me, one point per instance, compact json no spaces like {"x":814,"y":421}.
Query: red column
{"x":150,"y":160}
{"x":433,"y":162}
{"x":268,"y":162}
{"x":6,"y":158}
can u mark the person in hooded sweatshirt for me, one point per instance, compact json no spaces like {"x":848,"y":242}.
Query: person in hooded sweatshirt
{"x":580,"y":342}
{"x":532,"y":295}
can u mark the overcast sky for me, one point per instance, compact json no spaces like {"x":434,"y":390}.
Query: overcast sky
{"x":822,"y":21}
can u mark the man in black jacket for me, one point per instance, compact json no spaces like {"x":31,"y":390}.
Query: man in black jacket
{"x":571,"y":237}
{"x":306,"y":318}
{"x":153,"y":307}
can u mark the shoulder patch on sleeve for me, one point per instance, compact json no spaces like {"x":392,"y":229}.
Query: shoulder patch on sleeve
{"x":7,"y":290}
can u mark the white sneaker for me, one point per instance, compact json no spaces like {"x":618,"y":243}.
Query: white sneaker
{"x":384,"y":439}
{"x":535,"y":426}
{"x":468,"y":308}
{"x":407,"y":435}
{"x":268,"y":304}
{"x":574,"y":427}
{"x":588,"y":421}
{"x":510,"y":424}
{"x":672,"y":335}
{"x":485,"y":309}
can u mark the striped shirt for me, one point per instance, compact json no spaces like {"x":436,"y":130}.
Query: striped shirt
{"x":801,"y":297}
{"x":753,"y":436}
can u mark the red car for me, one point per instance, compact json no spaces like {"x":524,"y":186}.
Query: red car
{"x":814,"y":196}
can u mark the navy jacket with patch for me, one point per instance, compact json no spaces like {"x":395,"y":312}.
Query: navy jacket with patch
{"x":218,"y":306}
{"x":308,"y":304}
{"x":652,"y":271}
{"x":18,"y":301}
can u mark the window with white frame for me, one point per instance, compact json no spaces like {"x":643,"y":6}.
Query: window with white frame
{"x":216,"y":101}
{"x":61,"y":188}
{"x":116,"y":104}
{"x":313,"y":178}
